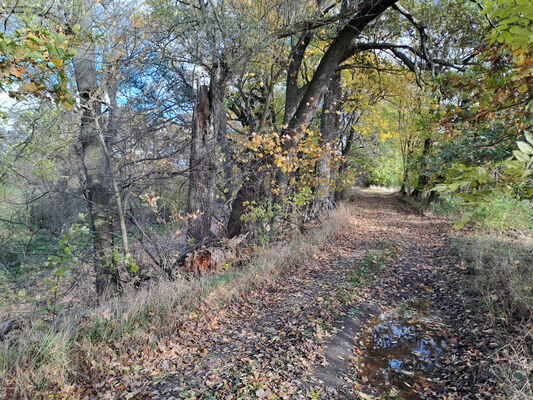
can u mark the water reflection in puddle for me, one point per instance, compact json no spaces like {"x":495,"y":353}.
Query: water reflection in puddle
{"x":402,"y":352}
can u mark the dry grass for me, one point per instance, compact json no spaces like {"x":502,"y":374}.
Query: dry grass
{"x":516,"y":370}
{"x":44,"y":357}
{"x":503,"y":275}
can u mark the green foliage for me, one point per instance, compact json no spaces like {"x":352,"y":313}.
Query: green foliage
{"x":259,"y":217}
{"x":505,"y":214}
{"x":303,"y":197}
{"x":512,"y":176}
{"x":524,"y":153}
{"x":479,"y":185}
{"x":488,"y":110}
{"x":21,"y":254}
{"x":387,"y":168}
{"x":32,"y":62}
{"x":71,"y":247}
{"x":495,"y":213}
{"x":514,"y":21}
{"x":378,"y":162}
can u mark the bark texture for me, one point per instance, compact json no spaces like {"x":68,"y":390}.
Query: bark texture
{"x":329,"y":131}
{"x":97,"y":189}
{"x":203,"y":164}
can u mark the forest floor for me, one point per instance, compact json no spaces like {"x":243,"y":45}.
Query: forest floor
{"x":379,"y":312}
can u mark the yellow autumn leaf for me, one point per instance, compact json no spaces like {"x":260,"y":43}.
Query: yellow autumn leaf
{"x":57,"y":62}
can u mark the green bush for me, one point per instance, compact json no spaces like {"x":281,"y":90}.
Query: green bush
{"x":497,"y":213}
{"x":505,"y":213}
{"x":448,"y":205}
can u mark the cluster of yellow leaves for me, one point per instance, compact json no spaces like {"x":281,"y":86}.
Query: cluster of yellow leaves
{"x":374,"y":123}
{"x":301,"y":156}
{"x":287,"y":158}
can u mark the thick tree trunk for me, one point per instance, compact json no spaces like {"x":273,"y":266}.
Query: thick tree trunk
{"x":292,"y":92}
{"x":345,"y":149}
{"x":97,"y":189}
{"x":292,"y":98}
{"x":203,"y":164}
{"x":404,"y":188}
{"x":343,"y":46}
{"x":329,"y":131}
{"x":227,"y":165}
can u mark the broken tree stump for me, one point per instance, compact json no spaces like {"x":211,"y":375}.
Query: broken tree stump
{"x":207,"y":260}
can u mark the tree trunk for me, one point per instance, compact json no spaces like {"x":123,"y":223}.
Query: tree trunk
{"x":329,"y":131}
{"x":404,"y":189}
{"x":292,"y":92}
{"x":343,"y":46}
{"x":203,"y":165}
{"x":422,"y":178}
{"x":97,"y":189}
{"x":227,"y":165}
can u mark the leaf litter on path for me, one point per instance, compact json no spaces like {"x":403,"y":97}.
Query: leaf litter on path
{"x":318,"y":331}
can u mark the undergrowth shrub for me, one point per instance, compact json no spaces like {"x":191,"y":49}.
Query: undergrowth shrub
{"x":499,"y":213}
{"x":45,"y":357}
{"x":505,"y":213}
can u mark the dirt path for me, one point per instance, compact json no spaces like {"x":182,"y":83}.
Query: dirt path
{"x":378,"y":313}
{"x":418,"y":338}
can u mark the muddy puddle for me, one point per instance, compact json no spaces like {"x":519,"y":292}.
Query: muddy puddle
{"x":402,"y":352}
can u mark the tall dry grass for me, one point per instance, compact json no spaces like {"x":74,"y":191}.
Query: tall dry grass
{"x":502,"y":269}
{"x":43,"y":357}
{"x":503,"y":273}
